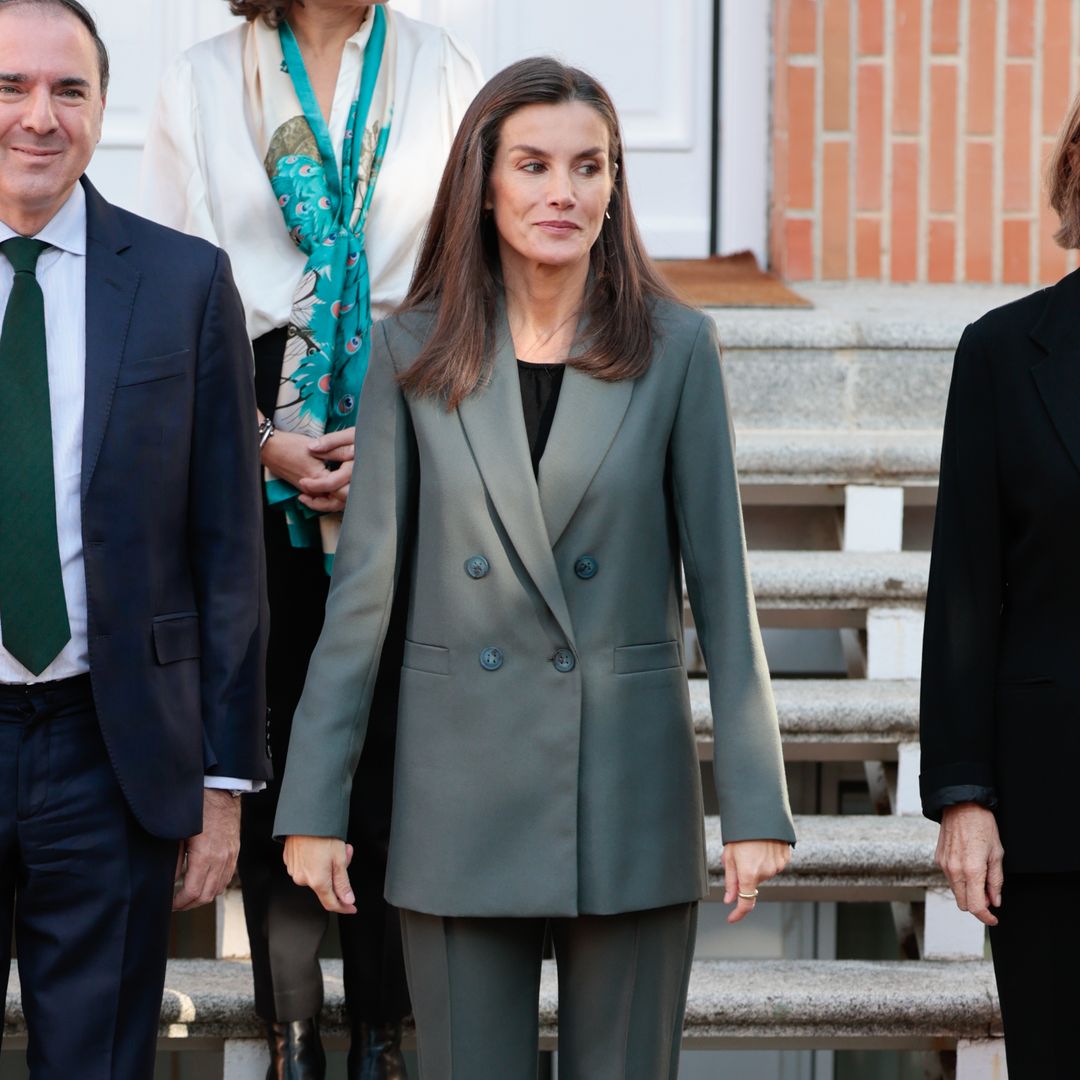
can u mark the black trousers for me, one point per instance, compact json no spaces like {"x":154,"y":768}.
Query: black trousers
{"x":285,"y":922}
{"x":88,"y":891}
{"x":1036,"y":958}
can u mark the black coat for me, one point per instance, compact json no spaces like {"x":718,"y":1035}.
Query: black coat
{"x":1001,"y":654}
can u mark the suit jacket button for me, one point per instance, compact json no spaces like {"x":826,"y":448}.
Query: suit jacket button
{"x":491,"y":659}
{"x":586,"y":567}
{"x":477,"y":567}
{"x":564,"y":660}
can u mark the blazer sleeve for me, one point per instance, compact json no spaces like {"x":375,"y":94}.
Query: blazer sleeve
{"x":330,"y":722}
{"x":748,"y":766}
{"x":963,"y":604}
{"x":225,"y":540}
{"x":172,"y":186}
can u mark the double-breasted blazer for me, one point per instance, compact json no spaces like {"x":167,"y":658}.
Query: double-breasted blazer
{"x":1001,"y":663}
{"x":546,"y":760}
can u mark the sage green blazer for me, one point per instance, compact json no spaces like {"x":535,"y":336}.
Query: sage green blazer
{"x":546,"y":760}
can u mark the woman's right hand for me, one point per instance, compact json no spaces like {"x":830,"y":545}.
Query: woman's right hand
{"x":322,"y":863}
{"x":291,"y":457}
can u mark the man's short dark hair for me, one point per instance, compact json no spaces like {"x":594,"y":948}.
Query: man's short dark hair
{"x":85,"y":18}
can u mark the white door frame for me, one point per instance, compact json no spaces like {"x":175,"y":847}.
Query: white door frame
{"x":742,"y":209}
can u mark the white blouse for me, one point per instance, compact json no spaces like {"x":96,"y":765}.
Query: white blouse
{"x":203,"y":173}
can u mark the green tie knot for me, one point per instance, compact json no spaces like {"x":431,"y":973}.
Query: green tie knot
{"x":23,"y":253}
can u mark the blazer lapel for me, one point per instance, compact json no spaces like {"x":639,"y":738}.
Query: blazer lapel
{"x":111,"y":284}
{"x":1058,"y":376}
{"x":586,"y":422}
{"x":494,"y":426}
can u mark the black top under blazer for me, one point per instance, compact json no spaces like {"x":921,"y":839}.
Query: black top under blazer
{"x":1001,"y":655}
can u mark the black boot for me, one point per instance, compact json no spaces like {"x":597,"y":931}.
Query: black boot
{"x":375,"y":1053}
{"x":296,"y":1051}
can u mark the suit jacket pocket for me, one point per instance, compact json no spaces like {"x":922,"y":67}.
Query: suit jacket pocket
{"x":176,"y":637}
{"x":433,"y":659}
{"x":153,"y":368}
{"x":630,"y":659}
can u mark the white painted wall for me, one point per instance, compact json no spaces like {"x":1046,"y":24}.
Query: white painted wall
{"x":655,"y":59}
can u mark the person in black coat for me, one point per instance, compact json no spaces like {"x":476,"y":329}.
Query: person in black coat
{"x":1000,"y":715}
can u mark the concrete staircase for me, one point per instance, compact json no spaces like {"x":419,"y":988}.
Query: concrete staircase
{"x":838,"y":412}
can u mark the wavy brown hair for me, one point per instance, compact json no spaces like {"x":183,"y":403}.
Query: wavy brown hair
{"x":272,"y":12}
{"x":458,"y":273}
{"x":1063,"y":179}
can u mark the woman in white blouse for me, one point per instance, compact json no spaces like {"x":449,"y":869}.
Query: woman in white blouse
{"x":308,"y":142}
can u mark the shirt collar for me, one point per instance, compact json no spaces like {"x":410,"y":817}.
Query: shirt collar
{"x":360,"y":38}
{"x":66,"y":230}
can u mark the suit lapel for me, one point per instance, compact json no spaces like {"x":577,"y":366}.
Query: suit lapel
{"x":1058,"y":375}
{"x":494,"y":426}
{"x":586,"y":422}
{"x":111,"y":284}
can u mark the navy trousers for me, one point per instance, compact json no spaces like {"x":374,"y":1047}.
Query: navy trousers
{"x":86,"y":889}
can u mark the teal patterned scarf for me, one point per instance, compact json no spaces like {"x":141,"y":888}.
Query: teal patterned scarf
{"x":325,"y":210}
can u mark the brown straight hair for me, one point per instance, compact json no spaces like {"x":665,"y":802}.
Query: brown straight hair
{"x":458,"y":274}
{"x":1063,"y":179}
{"x":272,"y":12}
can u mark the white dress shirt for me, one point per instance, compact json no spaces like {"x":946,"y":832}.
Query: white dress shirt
{"x":61,"y":273}
{"x":203,"y":172}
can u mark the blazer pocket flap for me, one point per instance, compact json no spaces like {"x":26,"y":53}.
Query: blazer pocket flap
{"x":634,"y":658}
{"x":176,"y":637}
{"x":152,"y":368}
{"x":433,"y":659}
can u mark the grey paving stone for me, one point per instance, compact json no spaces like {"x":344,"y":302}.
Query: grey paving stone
{"x":838,"y":579}
{"x":831,"y":709}
{"x":778,"y":456}
{"x":863,"y":315}
{"x":849,"y":855}
{"x":736,"y":1001}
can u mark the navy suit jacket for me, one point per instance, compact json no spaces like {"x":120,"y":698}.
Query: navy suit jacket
{"x":171,"y":518}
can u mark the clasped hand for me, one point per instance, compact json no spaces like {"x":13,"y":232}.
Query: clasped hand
{"x":305,"y":463}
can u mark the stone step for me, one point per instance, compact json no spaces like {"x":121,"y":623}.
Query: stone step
{"x":865,"y":357}
{"x":732,"y":1004}
{"x":848,"y":857}
{"x":830,"y":719}
{"x":831,"y":459}
{"x":838,"y":580}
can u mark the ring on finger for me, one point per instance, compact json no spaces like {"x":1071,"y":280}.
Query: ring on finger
{"x":748,"y":895}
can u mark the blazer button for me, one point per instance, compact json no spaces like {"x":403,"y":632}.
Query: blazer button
{"x":477,"y":567}
{"x":564,"y":660}
{"x":491,"y":659}
{"x":586,"y":567}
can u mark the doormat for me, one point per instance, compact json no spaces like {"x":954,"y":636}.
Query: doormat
{"x":727,"y":281}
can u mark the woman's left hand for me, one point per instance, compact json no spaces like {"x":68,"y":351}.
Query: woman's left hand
{"x":327,"y":493}
{"x":747,"y":863}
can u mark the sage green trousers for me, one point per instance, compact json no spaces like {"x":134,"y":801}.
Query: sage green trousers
{"x":623,"y":979}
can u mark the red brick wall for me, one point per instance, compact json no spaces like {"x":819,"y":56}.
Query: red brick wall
{"x":909,"y":138}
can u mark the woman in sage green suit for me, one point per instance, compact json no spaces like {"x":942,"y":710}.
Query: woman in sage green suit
{"x":543,"y":448}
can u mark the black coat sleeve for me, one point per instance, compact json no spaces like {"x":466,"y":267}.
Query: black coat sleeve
{"x":963,"y":605}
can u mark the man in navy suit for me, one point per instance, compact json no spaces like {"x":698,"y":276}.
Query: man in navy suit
{"x":132,"y":609}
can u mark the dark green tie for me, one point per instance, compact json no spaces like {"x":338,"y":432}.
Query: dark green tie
{"x":33,"y":612}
